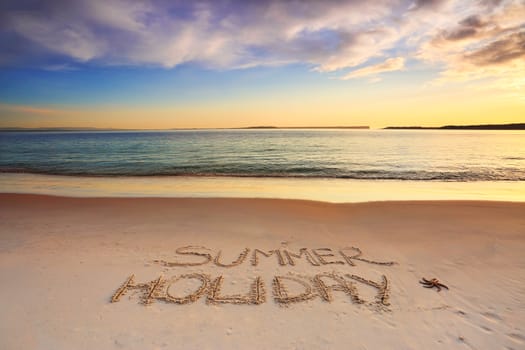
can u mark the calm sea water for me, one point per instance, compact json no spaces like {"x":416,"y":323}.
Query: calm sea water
{"x":353,"y":154}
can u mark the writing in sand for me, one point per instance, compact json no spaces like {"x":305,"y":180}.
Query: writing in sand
{"x":320,"y":285}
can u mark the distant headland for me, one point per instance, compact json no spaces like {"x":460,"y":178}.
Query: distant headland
{"x":515,"y":126}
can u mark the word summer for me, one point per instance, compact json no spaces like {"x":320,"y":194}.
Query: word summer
{"x":322,"y":285}
{"x":197,"y":255}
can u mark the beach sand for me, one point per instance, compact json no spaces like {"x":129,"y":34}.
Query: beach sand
{"x":63,"y":259}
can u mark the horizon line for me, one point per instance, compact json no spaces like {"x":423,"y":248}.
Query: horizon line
{"x":505,"y":126}
{"x":80,"y":128}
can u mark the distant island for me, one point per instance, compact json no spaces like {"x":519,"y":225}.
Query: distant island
{"x":515,"y":126}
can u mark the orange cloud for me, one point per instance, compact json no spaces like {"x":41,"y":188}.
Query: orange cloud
{"x":32,"y":110}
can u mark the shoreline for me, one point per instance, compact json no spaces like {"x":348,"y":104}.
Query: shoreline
{"x":318,"y":189}
{"x":38,"y":196}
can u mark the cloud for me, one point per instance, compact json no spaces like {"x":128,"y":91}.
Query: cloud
{"x":59,"y":67}
{"x":73,"y":40}
{"x":29,"y":109}
{"x":461,"y":38}
{"x":461,"y":33}
{"x":473,"y":21}
{"x":485,"y":43}
{"x":391,"y":64}
{"x":328,"y":35}
{"x":509,"y":48}
{"x":490,"y":3}
{"x":427,"y":5}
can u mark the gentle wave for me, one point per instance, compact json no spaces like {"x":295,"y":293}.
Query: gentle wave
{"x":367,"y":155}
{"x":355,"y":175}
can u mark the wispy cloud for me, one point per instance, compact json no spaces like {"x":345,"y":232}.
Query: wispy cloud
{"x":501,"y":51}
{"x":391,"y":64}
{"x":328,"y":35}
{"x":30,"y":109}
{"x":459,"y":36}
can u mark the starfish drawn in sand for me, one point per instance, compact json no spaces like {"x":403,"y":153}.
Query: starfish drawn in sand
{"x":434,"y":282}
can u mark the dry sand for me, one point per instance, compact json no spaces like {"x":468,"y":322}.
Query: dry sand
{"x":62,"y":260}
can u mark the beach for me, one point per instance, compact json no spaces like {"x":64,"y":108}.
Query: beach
{"x":214,"y":273}
{"x":282,"y":175}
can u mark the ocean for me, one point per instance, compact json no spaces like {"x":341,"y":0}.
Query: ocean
{"x":416,"y":155}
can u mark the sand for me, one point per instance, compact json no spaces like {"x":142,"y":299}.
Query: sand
{"x":193,"y":273}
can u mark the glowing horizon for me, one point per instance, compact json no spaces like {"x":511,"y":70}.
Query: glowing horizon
{"x":214,"y":64}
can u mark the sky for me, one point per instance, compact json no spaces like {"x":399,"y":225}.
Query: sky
{"x":204,"y":64}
